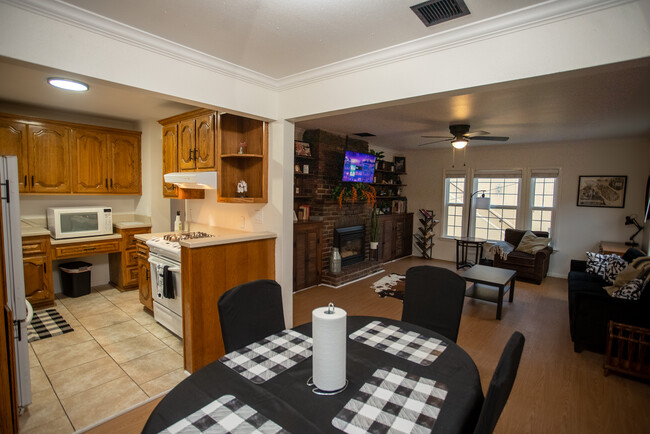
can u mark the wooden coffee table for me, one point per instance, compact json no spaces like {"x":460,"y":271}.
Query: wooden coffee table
{"x":490,"y":284}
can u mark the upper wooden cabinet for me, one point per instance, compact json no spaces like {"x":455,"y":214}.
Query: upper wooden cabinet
{"x":63,"y":158}
{"x":235,"y":146}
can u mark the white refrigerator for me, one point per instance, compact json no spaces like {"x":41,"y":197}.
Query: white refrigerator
{"x":13,"y":253}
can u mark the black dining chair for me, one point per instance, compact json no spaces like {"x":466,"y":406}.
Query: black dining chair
{"x":433,"y":298}
{"x":249,"y":312}
{"x":501,"y":385}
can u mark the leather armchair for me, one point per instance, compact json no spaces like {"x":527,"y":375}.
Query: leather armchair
{"x":528,"y":267}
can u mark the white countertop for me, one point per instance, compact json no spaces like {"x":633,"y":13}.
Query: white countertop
{"x":221,"y":236}
{"x":32,"y":229}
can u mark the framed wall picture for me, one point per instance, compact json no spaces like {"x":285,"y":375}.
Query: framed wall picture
{"x":400,"y":164}
{"x":303,"y":149}
{"x":602,"y":191}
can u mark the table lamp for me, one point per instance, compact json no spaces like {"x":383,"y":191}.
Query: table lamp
{"x":629,"y":220}
{"x":481,"y":203}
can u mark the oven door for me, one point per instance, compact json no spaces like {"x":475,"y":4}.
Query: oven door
{"x":167,"y":311}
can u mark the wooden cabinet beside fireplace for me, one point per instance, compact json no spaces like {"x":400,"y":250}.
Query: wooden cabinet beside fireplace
{"x":307,"y":256}
{"x":395,"y":234}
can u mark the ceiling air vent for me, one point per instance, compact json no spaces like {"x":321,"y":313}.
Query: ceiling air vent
{"x":439,"y":11}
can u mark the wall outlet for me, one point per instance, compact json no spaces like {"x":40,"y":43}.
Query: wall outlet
{"x":242,"y":222}
{"x":259,"y":216}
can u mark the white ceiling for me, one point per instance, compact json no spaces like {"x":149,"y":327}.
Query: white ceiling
{"x":281,"y":38}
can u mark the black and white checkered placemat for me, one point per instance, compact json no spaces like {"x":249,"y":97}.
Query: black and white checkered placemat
{"x":265,"y":359}
{"x":45,"y":324}
{"x":226,"y":414}
{"x":406,"y":344}
{"x":393,"y":401}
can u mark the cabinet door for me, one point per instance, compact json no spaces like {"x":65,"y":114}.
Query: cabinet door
{"x":13,"y":141}
{"x":307,"y":261}
{"x":89,"y":157}
{"x":186,"y":145}
{"x":386,"y":238}
{"x":407,"y":236}
{"x":37,"y":288}
{"x":170,"y":157}
{"x":49,"y":164}
{"x":125,"y":168}
{"x":144,"y":283}
{"x":204,"y":153}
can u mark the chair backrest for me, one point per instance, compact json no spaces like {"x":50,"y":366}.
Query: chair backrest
{"x":501,"y":385}
{"x":433,"y":298}
{"x":514,"y":236}
{"x":250,"y":312}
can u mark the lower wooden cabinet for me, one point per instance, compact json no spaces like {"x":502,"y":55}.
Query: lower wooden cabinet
{"x":307,"y":256}
{"x":395,"y":236}
{"x":144,"y":275}
{"x":37,"y":269}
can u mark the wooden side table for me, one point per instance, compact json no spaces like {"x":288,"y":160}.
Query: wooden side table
{"x":610,"y":247}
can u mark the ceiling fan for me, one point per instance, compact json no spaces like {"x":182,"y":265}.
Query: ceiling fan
{"x":462,"y":136}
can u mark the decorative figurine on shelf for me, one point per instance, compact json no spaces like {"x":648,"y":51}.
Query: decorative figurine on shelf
{"x":242,"y":188}
{"x":242,"y":147}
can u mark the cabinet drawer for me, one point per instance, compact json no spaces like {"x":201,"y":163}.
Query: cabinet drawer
{"x":128,"y":236}
{"x":33,"y":247}
{"x":84,"y":249}
{"x":142,"y":250}
{"x":131,"y":276}
{"x":131,"y":257}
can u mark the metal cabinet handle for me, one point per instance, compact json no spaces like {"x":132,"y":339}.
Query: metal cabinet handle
{"x":106,"y":182}
{"x":32,"y":180}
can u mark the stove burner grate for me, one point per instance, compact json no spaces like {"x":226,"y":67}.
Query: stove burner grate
{"x":186,"y":236}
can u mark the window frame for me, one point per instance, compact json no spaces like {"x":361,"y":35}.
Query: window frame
{"x":446,"y":177}
{"x":544,"y":174}
{"x":480,"y":175}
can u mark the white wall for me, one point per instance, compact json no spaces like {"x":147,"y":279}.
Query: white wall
{"x":579,"y":229}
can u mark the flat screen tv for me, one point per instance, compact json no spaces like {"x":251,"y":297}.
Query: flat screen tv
{"x":358,"y":167}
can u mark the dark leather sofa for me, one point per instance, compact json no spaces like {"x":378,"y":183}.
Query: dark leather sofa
{"x":591,"y":307}
{"x":528,"y":267}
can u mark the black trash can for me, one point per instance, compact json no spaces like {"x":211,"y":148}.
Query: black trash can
{"x":75,"y":278}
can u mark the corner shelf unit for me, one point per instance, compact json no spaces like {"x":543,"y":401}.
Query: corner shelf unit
{"x":305,"y":176}
{"x":424,"y":236}
{"x":388,"y":185}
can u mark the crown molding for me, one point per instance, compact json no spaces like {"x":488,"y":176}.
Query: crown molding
{"x":515,"y":21}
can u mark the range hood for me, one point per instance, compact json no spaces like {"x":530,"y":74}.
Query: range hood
{"x":193,"y":180}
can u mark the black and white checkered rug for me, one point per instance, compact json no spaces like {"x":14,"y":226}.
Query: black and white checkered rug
{"x":406,"y":344}
{"x":393,"y":401}
{"x":226,"y":414}
{"x":265,"y":359}
{"x":45,"y":324}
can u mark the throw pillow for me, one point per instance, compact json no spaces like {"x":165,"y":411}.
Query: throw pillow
{"x":531,"y":243}
{"x":630,"y":291}
{"x":629,"y":273}
{"x":597,"y":264}
{"x":615,"y":265}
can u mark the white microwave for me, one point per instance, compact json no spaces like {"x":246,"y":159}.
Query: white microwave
{"x":74,"y":222}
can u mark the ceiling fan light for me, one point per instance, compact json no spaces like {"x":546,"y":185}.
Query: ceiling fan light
{"x":459,"y":143}
{"x":67,"y":84}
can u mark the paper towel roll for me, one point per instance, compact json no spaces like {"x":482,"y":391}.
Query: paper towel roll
{"x":329,"y":347}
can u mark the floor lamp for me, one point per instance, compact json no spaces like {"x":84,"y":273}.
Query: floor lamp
{"x":481,"y":203}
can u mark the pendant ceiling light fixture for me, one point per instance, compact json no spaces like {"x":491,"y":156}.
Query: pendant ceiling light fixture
{"x":67,"y":84}
{"x":459,"y":142}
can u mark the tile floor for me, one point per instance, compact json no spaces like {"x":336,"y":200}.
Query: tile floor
{"x":116,"y":357}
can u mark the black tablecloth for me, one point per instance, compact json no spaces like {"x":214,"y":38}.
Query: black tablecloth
{"x":288,"y":401}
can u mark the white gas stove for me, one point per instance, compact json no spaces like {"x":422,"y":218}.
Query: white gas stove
{"x":169,"y":245}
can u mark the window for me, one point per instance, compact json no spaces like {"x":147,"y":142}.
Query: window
{"x":543,"y":186}
{"x":503,"y":189}
{"x":454,"y":202}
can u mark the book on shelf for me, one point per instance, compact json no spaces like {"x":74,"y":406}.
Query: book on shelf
{"x":303,"y":212}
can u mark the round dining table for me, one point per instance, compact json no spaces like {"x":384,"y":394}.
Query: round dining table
{"x":287,"y":400}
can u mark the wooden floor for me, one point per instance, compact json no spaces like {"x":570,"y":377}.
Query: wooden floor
{"x":556,"y":391}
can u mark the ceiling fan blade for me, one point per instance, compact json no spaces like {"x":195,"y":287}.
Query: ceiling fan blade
{"x":436,"y":137}
{"x":477,"y":133}
{"x":435,"y":141}
{"x":492,"y":138}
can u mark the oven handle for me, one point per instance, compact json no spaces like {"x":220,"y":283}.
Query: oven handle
{"x":174,"y":269}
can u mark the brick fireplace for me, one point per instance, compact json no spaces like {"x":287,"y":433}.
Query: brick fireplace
{"x":330,"y":149}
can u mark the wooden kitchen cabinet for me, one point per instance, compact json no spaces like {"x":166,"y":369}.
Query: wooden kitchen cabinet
{"x":307,"y":256}
{"x":13,"y":141}
{"x":243,"y":155}
{"x":144,"y":275}
{"x":37,"y":269}
{"x":123,"y":266}
{"x":48,"y":148}
{"x":169,"y":157}
{"x":65,"y":158}
{"x":84,"y":248}
{"x":395,"y":234}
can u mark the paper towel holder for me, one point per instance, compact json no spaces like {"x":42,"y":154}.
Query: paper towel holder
{"x":317,"y":391}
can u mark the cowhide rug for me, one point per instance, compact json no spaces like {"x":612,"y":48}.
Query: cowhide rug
{"x":390,"y":286}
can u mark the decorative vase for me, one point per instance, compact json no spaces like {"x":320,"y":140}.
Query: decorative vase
{"x":335,"y":261}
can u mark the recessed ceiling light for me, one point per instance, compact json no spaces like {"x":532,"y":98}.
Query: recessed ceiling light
{"x":67,"y":84}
